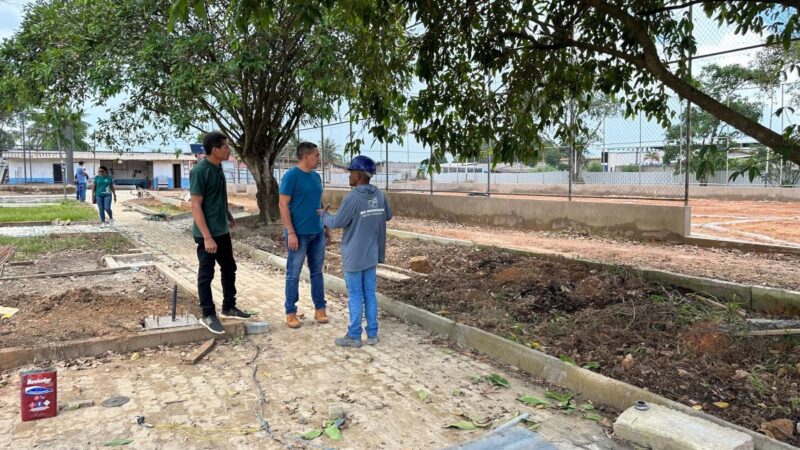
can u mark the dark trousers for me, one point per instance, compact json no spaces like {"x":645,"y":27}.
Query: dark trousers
{"x":205,"y":273}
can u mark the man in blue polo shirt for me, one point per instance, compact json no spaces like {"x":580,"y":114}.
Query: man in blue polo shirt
{"x":81,"y":180}
{"x":300,"y":197}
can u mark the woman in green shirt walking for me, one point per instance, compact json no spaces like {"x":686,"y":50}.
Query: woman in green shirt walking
{"x":103,"y":189}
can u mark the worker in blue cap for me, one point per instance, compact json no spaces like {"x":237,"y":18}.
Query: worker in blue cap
{"x":363,"y":215}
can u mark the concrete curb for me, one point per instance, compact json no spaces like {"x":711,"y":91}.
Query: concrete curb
{"x":759,"y":298}
{"x":82,"y":348}
{"x":594,"y":386}
{"x":42,"y":223}
{"x":740,"y":245}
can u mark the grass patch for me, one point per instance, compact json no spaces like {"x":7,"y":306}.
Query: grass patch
{"x":30,"y":247}
{"x":66,"y":210}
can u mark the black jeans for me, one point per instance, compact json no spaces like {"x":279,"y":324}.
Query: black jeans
{"x":205,"y":274}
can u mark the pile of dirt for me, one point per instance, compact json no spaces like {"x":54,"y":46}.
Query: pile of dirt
{"x":153,"y":203}
{"x":84,"y":307}
{"x":269,"y":238}
{"x":610,"y":321}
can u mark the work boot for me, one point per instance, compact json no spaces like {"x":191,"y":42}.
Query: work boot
{"x":347,"y":341}
{"x":292,"y":321}
{"x":373,"y":340}
{"x":320,"y":316}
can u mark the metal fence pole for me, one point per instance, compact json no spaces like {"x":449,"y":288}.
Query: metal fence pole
{"x":688,"y":126}
{"x":387,"y":164}
{"x":489,"y":176}
{"x":322,"y":147}
{"x":430,"y":169}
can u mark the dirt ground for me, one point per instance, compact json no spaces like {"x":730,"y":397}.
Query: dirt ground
{"x":616,"y":323}
{"x":159,"y":206}
{"x":68,"y":308}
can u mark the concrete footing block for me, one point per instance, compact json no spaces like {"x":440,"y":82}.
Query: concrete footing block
{"x":661,"y":428}
{"x":256,"y":327}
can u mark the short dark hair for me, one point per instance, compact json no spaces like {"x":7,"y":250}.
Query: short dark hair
{"x":305,"y":148}
{"x":103,"y":168}
{"x":213,"y":139}
{"x":80,"y":163}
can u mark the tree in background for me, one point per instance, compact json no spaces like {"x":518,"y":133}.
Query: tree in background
{"x":58,"y":131}
{"x":178,"y":68}
{"x":481,"y":59}
{"x":715,"y":136}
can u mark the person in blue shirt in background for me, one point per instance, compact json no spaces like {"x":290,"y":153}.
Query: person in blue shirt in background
{"x":81,"y":180}
{"x":363,"y":215}
{"x":300,"y":198}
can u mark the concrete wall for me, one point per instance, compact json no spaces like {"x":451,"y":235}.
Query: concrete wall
{"x":37,"y":171}
{"x":641,"y":221}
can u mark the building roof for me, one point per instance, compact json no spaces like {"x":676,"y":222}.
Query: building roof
{"x":89,"y":156}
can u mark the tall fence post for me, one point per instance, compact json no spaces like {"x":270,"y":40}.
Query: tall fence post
{"x":387,"y":164}
{"x":322,"y":147}
{"x":688,"y":125}
{"x":430,"y":169}
{"x":489,"y":177}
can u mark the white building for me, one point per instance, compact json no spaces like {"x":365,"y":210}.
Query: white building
{"x":144,"y":169}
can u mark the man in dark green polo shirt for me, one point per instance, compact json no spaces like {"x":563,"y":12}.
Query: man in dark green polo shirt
{"x":211,"y":229}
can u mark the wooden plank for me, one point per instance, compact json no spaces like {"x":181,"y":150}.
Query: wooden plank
{"x":786,"y":331}
{"x":200,"y":352}
{"x":69,"y":274}
{"x":389,"y":275}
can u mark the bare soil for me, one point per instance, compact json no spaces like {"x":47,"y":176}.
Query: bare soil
{"x":105,"y":305}
{"x":642,"y":333}
{"x":160,"y":206}
{"x":64,"y":261}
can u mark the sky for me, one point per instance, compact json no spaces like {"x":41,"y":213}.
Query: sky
{"x":618,"y":132}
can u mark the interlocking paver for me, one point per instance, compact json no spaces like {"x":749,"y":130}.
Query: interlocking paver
{"x":301,"y":373}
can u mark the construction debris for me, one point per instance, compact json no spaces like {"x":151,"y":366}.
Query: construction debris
{"x":71,"y":406}
{"x":6,"y":252}
{"x":115,"y":401}
{"x":200,"y":352}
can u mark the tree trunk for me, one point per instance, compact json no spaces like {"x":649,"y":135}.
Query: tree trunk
{"x":260,"y":165}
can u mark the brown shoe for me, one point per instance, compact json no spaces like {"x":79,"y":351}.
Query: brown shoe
{"x":292,"y":321}
{"x":320,"y":316}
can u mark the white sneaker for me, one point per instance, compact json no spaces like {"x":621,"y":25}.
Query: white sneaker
{"x":102,"y":224}
{"x":111,"y":222}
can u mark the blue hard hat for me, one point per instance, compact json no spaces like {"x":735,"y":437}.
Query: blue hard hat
{"x":364,"y":163}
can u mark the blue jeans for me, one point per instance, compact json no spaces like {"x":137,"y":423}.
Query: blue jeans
{"x":312,"y":246}
{"x":362,"y":301}
{"x":80,"y":192}
{"x":104,"y":206}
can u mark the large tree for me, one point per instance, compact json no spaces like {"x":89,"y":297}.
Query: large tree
{"x":176,"y":69}
{"x":480,"y":60}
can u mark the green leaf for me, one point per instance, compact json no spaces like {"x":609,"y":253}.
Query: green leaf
{"x":313,"y":434}
{"x":422,"y":394}
{"x":118,"y":442}
{"x":593,"y":416}
{"x":533,"y":401}
{"x":333,"y":432}
{"x":463,"y":425}
{"x":587,"y":406}
{"x":568,"y":360}
{"x":497,"y":380}
{"x":562,"y":399}
{"x":591,"y":365}
{"x":457,"y":393}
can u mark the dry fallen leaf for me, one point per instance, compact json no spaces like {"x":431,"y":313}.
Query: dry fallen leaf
{"x":721,"y":405}
{"x":698,"y":407}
